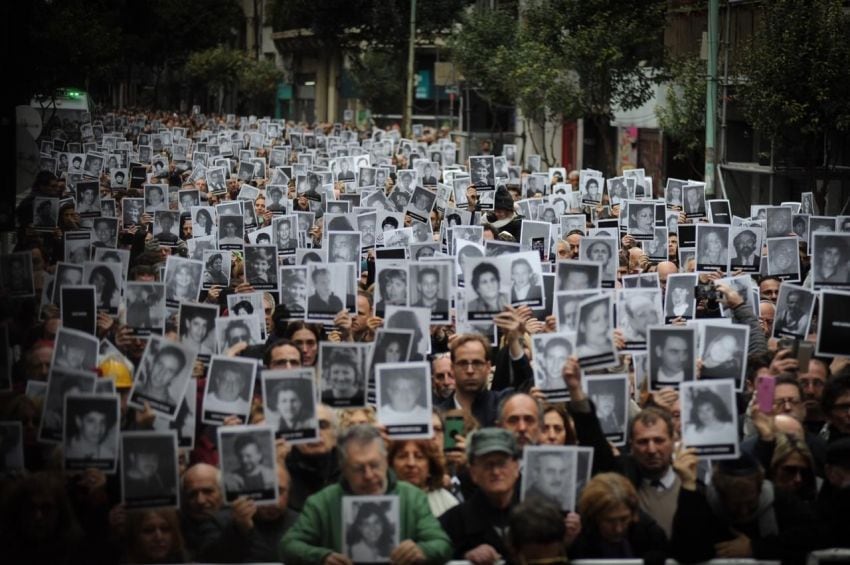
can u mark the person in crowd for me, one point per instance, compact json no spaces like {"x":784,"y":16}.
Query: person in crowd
{"x":316,"y":536}
{"x":153,"y":536}
{"x":421,"y":463}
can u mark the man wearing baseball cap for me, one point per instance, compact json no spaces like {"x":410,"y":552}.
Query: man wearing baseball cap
{"x":476,"y":525}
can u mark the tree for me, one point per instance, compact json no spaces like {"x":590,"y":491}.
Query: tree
{"x":795,"y":89}
{"x":682,"y":118}
{"x":569,"y":58}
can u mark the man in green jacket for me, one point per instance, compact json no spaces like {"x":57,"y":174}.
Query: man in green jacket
{"x":317,"y":535}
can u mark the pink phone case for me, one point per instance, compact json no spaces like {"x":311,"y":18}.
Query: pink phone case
{"x":764,"y":393}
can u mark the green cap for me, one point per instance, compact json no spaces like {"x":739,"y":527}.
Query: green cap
{"x":491,"y":440}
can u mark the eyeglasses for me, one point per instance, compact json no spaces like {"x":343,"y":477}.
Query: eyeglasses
{"x":475,"y":364}
{"x":780,"y":402}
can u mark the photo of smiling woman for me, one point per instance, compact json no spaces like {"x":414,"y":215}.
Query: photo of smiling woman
{"x":91,"y":436}
{"x":710,"y":418}
{"x":404,"y":399}
{"x":370,"y":531}
{"x":290,"y":405}
{"x":484,"y":293}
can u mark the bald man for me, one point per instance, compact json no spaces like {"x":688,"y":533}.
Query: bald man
{"x":201,"y":519}
{"x":665,"y":269}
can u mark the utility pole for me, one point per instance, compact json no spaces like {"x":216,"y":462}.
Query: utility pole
{"x":406,"y":126}
{"x":711,"y":96}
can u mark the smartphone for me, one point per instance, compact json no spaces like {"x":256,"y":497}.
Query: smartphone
{"x":453,"y":427}
{"x":804,"y":355}
{"x":764,"y":393}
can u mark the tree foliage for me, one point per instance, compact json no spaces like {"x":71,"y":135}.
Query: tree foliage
{"x":376,"y":76}
{"x":222,"y":68}
{"x":682,"y":117}
{"x":570,"y":58}
{"x":796,"y":89}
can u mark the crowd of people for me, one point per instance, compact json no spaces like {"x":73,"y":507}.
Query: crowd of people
{"x":232,"y":339}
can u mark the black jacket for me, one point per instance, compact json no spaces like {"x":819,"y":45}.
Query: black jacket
{"x":646,"y":540}
{"x":474,"y":523}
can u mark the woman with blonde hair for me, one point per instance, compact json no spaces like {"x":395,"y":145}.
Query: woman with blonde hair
{"x":613,"y":525}
{"x":153,"y":536}
{"x":792,"y":468}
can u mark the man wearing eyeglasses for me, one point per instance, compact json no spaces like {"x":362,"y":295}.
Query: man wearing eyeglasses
{"x":317,"y":535}
{"x":470,"y":356}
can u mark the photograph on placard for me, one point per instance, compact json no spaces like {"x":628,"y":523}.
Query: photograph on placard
{"x":390,"y":346}
{"x":293,"y":293}
{"x":105,"y":232}
{"x":403,"y":399}
{"x":415,"y":319}
{"x":778,"y":221}
{"x":216,"y":268}
{"x":391,"y":287}
{"x":610,"y":397}
{"x":566,"y":308}
{"x":108,"y":281}
{"x":261,"y":267}
{"x":724,"y":352}
{"x":672,"y":356}
{"x":74,"y":350}
{"x":694,"y":204}
{"x":235,"y":329}
{"x":578,"y":275}
{"x":680,"y":300}
{"x":91,"y":432}
{"x":641,"y":220}
{"x":831,"y":260}
{"x":594,"y":338}
{"x":637,"y":310}
{"x":330,"y":289}
{"x":17,"y":271}
{"x":783,"y":258}
{"x":429,"y":286}
{"x":229,"y":389}
{"x":710,"y":418}
{"x":343,"y":374}
{"x":712,"y":244}
{"x":603,"y":251}
{"x":370,"y":527}
{"x":61,"y":382}
{"x":673,"y":197}
{"x":149,"y":470}
{"x":285,"y":230}
{"x":794,"y":307}
{"x":145,"y":307}
{"x":746,"y":248}
{"x":182,"y":280}
{"x":482,"y":170}
{"x":184,"y":424}
{"x":248,"y":463}
{"x":590,"y":188}
{"x":162,"y":377}
{"x":550,"y":475}
{"x":487,"y":291}
{"x":196,"y":324}
{"x":550,"y":352}
{"x":833,"y":329}
{"x":289,"y":402}
{"x":231,"y":233}
{"x":526,"y":280}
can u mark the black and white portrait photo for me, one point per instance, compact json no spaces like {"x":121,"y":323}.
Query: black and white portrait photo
{"x":550,"y":474}
{"x":74,"y":350}
{"x":637,"y":310}
{"x":746,"y":248}
{"x":248,"y":463}
{"x":673,"y":197}
{"x":712,"y":247}
{"x":88,"y":199}
{"x":330,"y":289}
{"x":641,"y":220}
{"x":487,"y":286}
{"x":235,"y":329}
{"x":566,"y":308}
{"x":108,"y":280}
{"x":694,"y":204}
{"x":578,"y":275}
{"x":45,"y":213}
{"x":217,"y":265}
{"x":420,"y":204}
{"x":163,"y":376}
{"x":482,"y":169}
{"x":77,"y":250}
{"x":550,"y":352}
{"x":594,"y":338}
{"x":91,"y":432}
{"x":724,"y":352}
{"x":187,"y":199}
{"x":149,"y":471}
{"x":182,"y":280}
{"x":215,"y":177}
{"x":672,"y":356}
{"x":285,"y":230}
{"x":131,"y":211}
{"x":344,"y":247}
{"x":794,"y":307}
{"x":833,"y":327}
{"x":229,"y":388}
{"x":609,"y":394}
{"x":680,"y":300}
{"x":343,"y":375}
{"x":231,"y":232}
{"x":783,"y":258}
{"x":370,"y":527}
{"x":61,"y":382}
{"x":261,"y":267}
{"x":656,"y":248}
{"x":603,"y":251}
{"x":17,"y":270}
{"x":778,"y":222}
{"x":590,"y":188}
{"x":105,"y":232}
{"x":710,"y":418}
{"x":831,"y":260}
{"x":392,"y":285}
{"x":145,"y":307}
{"x":155,"y":198}
{"x":289,"y":402}
{"x":196,"y":324}
{"x":526,"y":280}
{"x":404,"y":399}
{"x":428,"y":286}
